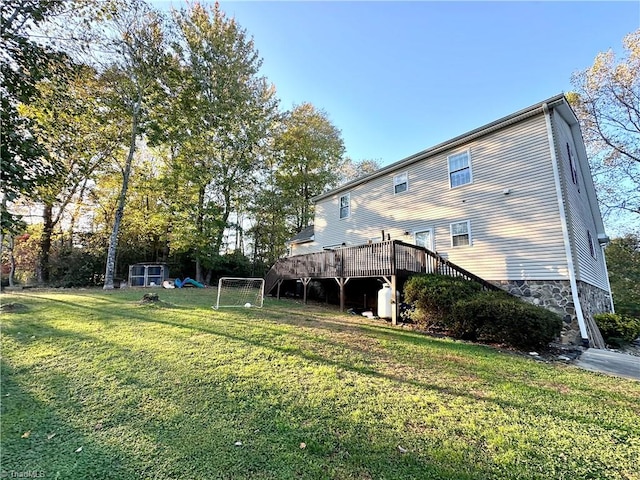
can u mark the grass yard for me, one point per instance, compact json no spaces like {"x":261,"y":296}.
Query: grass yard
{"x":97,"y":386}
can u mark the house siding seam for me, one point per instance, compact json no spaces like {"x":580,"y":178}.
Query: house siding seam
{"x":514,"y":236}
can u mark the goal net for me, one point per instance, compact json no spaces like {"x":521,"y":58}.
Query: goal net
{"x":240,"y":292}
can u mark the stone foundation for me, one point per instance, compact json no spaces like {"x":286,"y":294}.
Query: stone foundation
{"x":593,"y":300}
{"x":554,"y":295}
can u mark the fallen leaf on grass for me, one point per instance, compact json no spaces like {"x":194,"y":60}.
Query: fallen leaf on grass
{"x":402,"y":450}
{"x":238,"y":444}
{"x":78,"y":450}
{"x":303,"y":445}
{"x":98,"y":426}
{"x":26,"y":434}
{"x":50,"y":436}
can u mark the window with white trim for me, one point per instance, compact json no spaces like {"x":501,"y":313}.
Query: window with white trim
{"x":573,"y":167}
{"x":460,"y":233}
{"x":592,"y":246}
{"x":345,"y":205}
{"x":424,"y":238}
{"x":459,"y":169}
{"x":401,"y":183}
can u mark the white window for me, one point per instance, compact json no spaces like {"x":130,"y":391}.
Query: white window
{"x":459,"y":169}
{"x":424,"y":239}
{"x":401,"y":183}
{"x":345,"y":205}
{"x":460,"y":234}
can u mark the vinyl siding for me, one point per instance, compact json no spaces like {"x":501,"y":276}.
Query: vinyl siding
{"x":514,"y":236}
{"x":578,"y":209}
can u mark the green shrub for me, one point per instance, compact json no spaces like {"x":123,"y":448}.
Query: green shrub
{"x":617,"y":329}
{"x":434,"y":296}
{"x":497,"y":317}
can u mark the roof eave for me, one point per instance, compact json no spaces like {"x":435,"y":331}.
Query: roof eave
{"x":495,"y":125}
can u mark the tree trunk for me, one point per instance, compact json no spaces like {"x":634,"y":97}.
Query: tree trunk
{"x":200,"y":230}
{"x":113,"y":240}
{"x":45,"y":244}
{"x":12,"y":261}
{"x":198,"y":269}
{"x":166,"y":245}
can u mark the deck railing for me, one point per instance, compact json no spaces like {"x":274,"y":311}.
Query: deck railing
{"x":378,"y":259}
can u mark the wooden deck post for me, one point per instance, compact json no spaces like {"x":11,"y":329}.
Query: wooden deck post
{"x":278,"y":291}
{"x":305,"y":283}
{"x":394,"y":294}
{"x":341,"y":283}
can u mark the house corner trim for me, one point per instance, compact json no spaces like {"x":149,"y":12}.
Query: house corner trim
{"x":565,"y":229}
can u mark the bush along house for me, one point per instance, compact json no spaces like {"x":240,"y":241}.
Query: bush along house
{"x":510,"y":204}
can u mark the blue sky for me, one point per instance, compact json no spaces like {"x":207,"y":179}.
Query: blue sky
{"x":399,"y":77}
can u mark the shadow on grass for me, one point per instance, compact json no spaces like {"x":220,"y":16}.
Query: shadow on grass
{"x":458,"y":359}
{"x":198,"y":437}
{"x":38,"y":440}
{"x":195,"y":423}
{"x":492,"y":375}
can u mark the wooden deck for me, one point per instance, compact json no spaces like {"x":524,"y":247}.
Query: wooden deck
{"x":387,"y":259}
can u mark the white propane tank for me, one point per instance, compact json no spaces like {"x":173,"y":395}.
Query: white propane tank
{"x":384,"y":301}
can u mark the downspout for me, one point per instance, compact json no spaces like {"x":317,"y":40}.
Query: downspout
{"x":606,"y":270}
{"x":565,"y":228}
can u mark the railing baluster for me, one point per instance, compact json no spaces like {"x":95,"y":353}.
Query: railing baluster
{"x":375,"y":259}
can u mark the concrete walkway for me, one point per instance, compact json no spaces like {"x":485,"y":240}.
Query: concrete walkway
{"x":612,"y":363}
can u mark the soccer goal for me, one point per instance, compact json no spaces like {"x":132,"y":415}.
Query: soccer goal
{"x":240,"y":292}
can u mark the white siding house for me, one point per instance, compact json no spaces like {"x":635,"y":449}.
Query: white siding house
{"x":513,"y":202}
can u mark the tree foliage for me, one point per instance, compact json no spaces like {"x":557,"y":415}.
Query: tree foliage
{"x":23,"y":62}
{"x":228,"y":110}
{"x":623,"y":263}
{"x":607,"y":102}
{"x":135,"y":37}
{"x":168,"y":117}
{"x":311,"y":153}
{"x":70,"y":121}
{"x":352,"y":170}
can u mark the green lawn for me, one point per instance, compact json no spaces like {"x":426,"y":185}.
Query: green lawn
{"x":168,"y":392}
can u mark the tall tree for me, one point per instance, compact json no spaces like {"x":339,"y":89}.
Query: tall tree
{"x":23,"y":62}
{"x":71,"y":123}
{"x":268,"y":211}
{"x":607,"y":102}
{"x":230,"y":110}
{"x":134,"y":38}
{"x":311,"y":150}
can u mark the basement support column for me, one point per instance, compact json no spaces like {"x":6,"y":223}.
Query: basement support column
{"x":341,"y":283}
{"x":305,"y":282}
